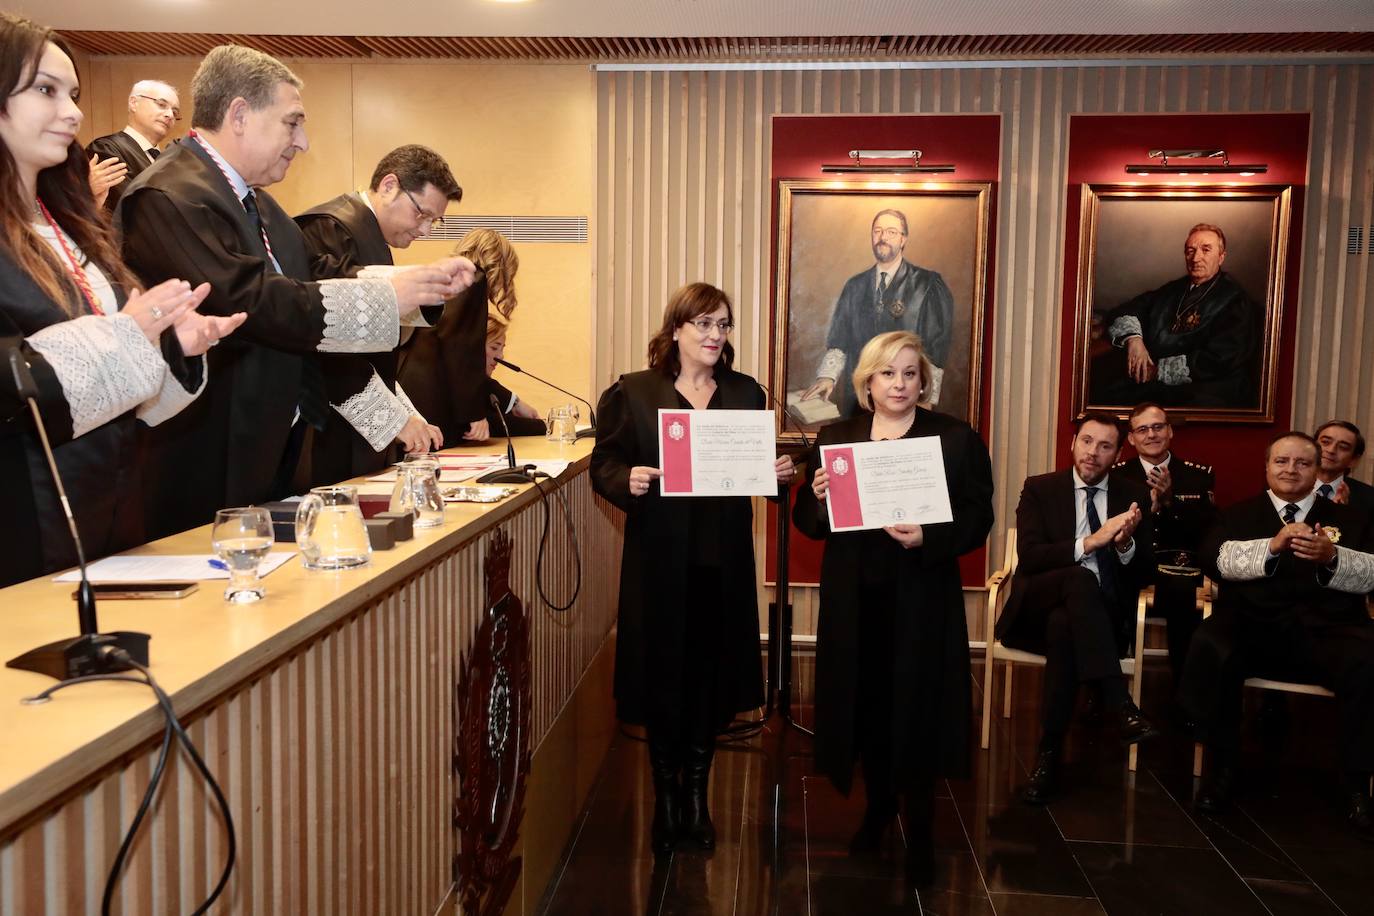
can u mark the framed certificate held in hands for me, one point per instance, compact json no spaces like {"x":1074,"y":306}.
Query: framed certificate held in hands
{"x":892,"y":482}
{"x":717,"y":452}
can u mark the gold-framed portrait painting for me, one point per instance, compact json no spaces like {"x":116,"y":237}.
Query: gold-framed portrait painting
{"x":1180,"y":299}
{"x":856,"y":260}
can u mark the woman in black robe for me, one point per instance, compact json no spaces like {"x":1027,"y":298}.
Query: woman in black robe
{"x":95,"y":353}
{"x":520,"y":418}
{"x":687,"y":650}
{"x":892,"y":659}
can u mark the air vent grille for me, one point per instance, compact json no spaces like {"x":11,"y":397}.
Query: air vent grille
{"x":566,"y":229}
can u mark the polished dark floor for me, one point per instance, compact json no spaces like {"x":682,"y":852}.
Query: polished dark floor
{"x":1115,"y":843}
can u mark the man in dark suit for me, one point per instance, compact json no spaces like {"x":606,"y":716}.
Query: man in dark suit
{"x":198,"y":213}
{"x":1182,"y":509}
{"x":1294,"y":569}
{"x":892,"y":295}
{"x":1342,"y":446}
{"x":153,"y":108}
{"x":1083,"y":542}
{"x":352,"y":235}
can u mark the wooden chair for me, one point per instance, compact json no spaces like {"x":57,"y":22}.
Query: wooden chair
{"x":998,"y":585}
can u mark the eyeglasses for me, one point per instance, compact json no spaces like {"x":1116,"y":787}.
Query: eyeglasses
{"x":434,"y":221}
{"x":1149,"y":428}
{"x":163,"y":105}
{"x":888,"y":233}
{"x":704,"y":325}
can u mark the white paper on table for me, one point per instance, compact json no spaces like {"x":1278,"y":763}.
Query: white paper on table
{"x":892,"y":482}
{"x":717,"y":452}
{"x":179,"y":568}
{"x":453,"y":470}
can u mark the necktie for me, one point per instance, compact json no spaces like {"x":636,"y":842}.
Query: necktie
{"x":1324,"y":491}
{"x":882,"y":288}
{"x":153,"y":153}
{"x":313,"y":404}
{"x":1290,"y":512}
{"x":1106,"y":572}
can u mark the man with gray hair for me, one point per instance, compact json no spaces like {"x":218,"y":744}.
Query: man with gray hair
{"x":121,"y":157}
{"x":199,"y":213}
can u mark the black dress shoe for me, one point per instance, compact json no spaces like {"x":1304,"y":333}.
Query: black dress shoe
{"x":1218,"y":790}
{"x":1360,"y":815}
{"x":1044,"y":779}
{"x":1132,"y":724}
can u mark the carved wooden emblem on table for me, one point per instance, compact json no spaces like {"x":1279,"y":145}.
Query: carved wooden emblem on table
{"x":492,"y":743}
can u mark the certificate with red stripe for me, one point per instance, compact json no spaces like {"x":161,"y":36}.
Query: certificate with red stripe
{"x":717,"y":453}
{"x":892,"y":482}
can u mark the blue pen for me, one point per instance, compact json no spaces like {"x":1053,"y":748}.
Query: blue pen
{"x":217,"y":564}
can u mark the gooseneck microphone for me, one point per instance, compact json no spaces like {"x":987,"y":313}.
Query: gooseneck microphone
{"x":581,"y":433}
{"x":89,"y":653}
{"x":787,"y":413}
{"x":510,"y":473}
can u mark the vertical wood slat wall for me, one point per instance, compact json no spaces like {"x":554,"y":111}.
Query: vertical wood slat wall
{"x":337,"y":761}
{"x":684,"y":195}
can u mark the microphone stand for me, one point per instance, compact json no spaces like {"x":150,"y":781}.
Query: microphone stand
{"x":511,"y":473}
{"x":581,"y":433}
{"x":91,"y":652}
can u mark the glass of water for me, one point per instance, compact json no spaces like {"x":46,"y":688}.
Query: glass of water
{"x":242,"y":538}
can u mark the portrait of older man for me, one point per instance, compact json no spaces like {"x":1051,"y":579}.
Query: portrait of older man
{"x":1194,"y":342}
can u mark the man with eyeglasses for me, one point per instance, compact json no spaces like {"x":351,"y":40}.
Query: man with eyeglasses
{"x":153,"y":108}
{"x":1293,"y":570}
{"x":372,"y":419}
{"x":1184,"y":508}
{"x":892,"y":295}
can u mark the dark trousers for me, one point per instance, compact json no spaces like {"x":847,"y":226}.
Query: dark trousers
{"x":1066,"y":617}
{"x":1176,"y":602}
{"x":1231,"y":645}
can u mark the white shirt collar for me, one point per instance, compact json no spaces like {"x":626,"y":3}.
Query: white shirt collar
{"x":1335,"y":484}
{"x":1078,"y":483}
{"x":143,"y":142}
{"x":240,"y":186}
{"x":1145,"y":463}
{"x":1304,"y":505}
{"x":367,"y":201}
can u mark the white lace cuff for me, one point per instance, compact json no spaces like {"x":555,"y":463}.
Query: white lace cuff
{"x":1354,"y":571}
{"x":105,"y":365}
{"x":405,"y":402}
{"x":1242,"y":561}
{"x":172,"y":397}
{"x":832,"y":364}
{"x":1173,"y":370}
{"x":375,"y":413}
{"x":385,"y":272}
{"x":1123,"y":327}
{"x":932,"y":394}
{"x":359,"y":316}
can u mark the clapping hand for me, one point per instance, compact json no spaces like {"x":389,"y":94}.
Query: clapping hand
{"x":106,"y":174}
{"x":1313,"y":544}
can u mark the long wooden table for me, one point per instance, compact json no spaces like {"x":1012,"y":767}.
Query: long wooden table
{"x":326,"y":711}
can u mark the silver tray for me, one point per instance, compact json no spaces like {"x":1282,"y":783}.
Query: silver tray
{"x":477,"y":494}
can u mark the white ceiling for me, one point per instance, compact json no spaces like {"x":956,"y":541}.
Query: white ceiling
{"x":675,"y":18}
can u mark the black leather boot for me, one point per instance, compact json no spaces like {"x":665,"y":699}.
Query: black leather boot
{"x":664,"y":764}
{"x":696,"y":779}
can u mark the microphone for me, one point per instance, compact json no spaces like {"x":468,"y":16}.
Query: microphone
{"x":581,"y":433}
{"x":787,"y":413}
{"x":91,"y":652}
{"x":510,"y":474}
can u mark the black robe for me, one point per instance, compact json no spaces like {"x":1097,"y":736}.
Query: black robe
{"x":443,"y":368}
{"x":932,"y":704}
{"x":125,"y":148}
{"x":519,"y":426}
{"x":1219,"y":342}
{"x":99,"y":469}
{"x":343,"y":236}
{"x":656,"y":595}
{"x":180,"y":219}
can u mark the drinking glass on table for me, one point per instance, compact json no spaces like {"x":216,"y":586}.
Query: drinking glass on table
{"x":330,"y":531}
{"x":242,"y":538}
{"x":417,"y":492}
{"x":562,"y":425}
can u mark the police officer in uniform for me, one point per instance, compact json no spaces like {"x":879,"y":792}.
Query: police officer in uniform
{"x":1184,"y":508}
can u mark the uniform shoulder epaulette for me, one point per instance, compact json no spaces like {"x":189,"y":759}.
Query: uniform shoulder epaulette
{"x":1204,"y":468}
{"x":1121,"y":464}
